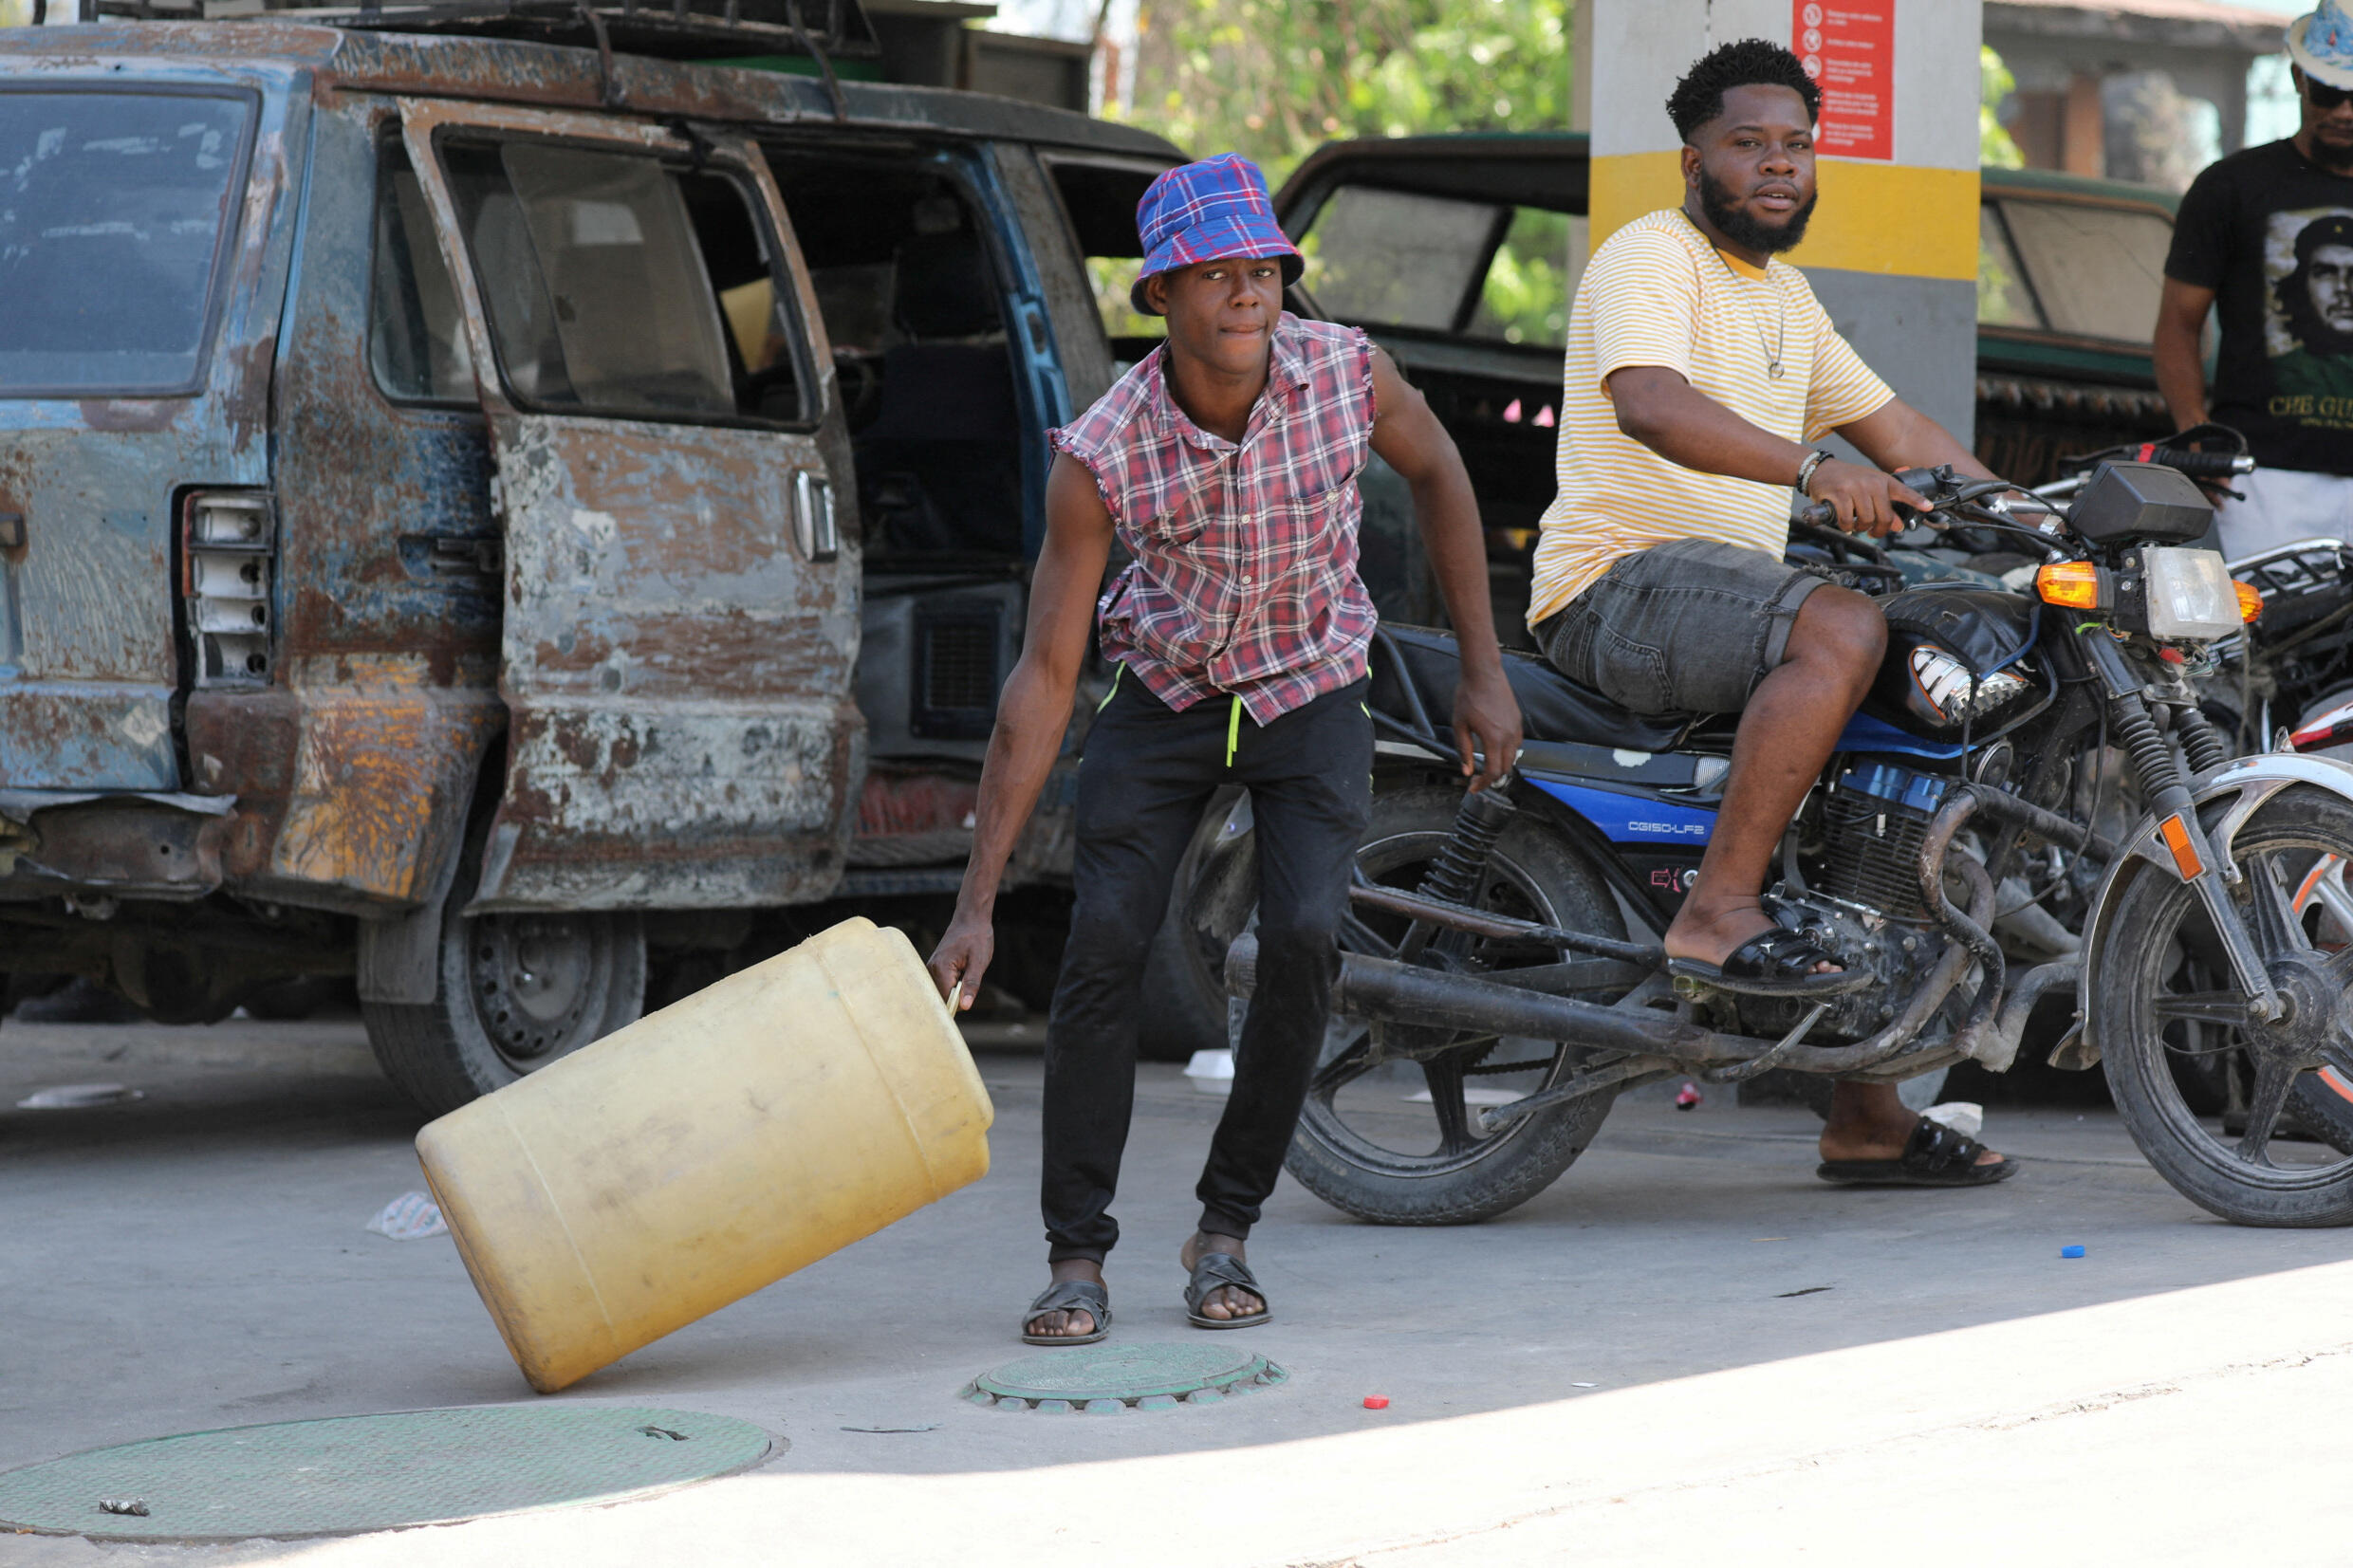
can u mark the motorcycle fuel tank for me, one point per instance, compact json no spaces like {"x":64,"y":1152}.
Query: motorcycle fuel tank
{"x":1956,"y":657}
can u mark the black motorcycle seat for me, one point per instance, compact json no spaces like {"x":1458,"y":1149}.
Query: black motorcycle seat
{"x":1553,"y":706}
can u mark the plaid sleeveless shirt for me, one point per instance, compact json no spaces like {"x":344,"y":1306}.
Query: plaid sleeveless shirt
{"x":1244,"y":572}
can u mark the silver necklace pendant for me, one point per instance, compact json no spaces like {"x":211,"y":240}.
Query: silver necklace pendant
{"x":1773,"y":369}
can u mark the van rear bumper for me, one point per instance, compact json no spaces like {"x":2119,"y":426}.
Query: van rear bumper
{"x":144,"y":845}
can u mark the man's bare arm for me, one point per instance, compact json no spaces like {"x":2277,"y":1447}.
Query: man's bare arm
{"x":1033,"y":711}
{"x":2179,"y":351}
{"x":1896,"y":436}
{"x":1409,"y":438}
{"x":1656,"y":407}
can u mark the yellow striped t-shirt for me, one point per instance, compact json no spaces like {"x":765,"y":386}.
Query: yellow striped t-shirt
{"x":1658,"y":293}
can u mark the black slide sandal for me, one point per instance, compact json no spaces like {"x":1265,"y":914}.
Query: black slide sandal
{"x":1777,"y":963}
{"x":1069,"y":1296}
{"x":1213,"y":1272}
{"x":1933,"y":1156}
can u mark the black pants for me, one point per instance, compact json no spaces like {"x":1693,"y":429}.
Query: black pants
{"x":1147,"y":774}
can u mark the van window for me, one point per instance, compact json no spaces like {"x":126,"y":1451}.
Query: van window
{"x":602,"y":294}
{"x":115,"y":208}
{"x":2097,"y":270}
{"x":416,"y":335}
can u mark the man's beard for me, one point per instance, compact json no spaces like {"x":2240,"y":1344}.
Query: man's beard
{"x":2336,"y":159}
{"x":1747,"y":232}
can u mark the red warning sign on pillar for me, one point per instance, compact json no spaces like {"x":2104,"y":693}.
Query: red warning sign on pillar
{"x":1849,"y":49}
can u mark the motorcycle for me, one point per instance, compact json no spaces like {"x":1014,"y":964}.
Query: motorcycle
{"x":1500,"y":957}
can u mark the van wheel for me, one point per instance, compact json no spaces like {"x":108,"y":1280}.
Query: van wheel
{"x":516,"y":991}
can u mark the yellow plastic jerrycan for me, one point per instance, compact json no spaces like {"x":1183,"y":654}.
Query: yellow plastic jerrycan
{"x":709,"y":1150}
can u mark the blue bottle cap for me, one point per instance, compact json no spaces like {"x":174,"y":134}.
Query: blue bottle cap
{"x":2070,"y":1252}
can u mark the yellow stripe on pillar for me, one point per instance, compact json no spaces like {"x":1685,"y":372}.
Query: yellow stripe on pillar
{"x":1889,"y":218}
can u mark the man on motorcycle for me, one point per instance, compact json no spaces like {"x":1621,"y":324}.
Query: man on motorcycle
{"x":1701,"y":372}
{"x":1226,"y":465}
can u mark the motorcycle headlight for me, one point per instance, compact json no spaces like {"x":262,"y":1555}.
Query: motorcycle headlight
{"x":2187,"y":596}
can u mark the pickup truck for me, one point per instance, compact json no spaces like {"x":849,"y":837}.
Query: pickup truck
{"x":1460,"y":255}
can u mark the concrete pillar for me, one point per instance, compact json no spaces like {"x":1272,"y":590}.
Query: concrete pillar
{"x":1891,"y":251}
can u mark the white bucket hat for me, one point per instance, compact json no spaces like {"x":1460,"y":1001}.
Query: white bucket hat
{"x":2322,"y":44}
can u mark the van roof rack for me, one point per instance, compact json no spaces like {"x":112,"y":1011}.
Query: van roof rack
{"x":667,"y":29}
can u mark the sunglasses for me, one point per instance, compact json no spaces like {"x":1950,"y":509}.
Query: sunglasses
{"x":2325,"y":98}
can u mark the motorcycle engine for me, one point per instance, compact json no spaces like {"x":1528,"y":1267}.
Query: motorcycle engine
{"x":1859,"y":898}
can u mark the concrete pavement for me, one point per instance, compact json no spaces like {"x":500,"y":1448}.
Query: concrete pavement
{"x":197,"y":1260}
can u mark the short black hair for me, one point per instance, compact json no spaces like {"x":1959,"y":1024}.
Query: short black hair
{"x":1750,"y":62}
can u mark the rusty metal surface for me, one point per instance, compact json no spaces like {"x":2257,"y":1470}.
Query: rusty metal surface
{"x":683,"y":733}
{"x":676,"y":674}
{"x":129,"y":847}
{"x":355,"y":768}
{"x":88,"y":662}
{"x":506,"y":71}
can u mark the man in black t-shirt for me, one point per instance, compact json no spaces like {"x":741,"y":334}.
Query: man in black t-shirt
{"x":2266,"y":234}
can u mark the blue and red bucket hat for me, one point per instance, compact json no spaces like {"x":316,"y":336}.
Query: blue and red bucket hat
{"x":1214,"y":209}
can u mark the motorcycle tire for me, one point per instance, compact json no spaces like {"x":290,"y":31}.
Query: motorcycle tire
{"x":1362,"y":1158}
{"x":1184,"y":987}
{"x":2305,"y":833}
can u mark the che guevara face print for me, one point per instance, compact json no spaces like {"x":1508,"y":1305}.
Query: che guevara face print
{"x":2307,"y":261}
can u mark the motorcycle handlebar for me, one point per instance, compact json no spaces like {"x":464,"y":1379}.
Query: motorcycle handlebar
{"x":2199,"y":465}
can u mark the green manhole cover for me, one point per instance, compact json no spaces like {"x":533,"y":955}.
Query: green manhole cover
{"x":1117,"y":1377}
{"x":374,"y":1472}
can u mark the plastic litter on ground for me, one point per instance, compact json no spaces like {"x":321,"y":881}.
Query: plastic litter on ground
{"x":375,"y":1472}
{"x":80,"y":1097}
{"x":1103,"y":1379}
{"x":410,"y":1217}
{"x":2070,"y":1252}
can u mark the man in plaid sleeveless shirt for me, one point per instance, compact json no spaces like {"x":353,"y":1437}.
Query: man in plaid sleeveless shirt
{"x":1225,"y":464}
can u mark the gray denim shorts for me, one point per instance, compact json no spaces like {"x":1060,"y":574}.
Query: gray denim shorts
{"x":1687,"y":626}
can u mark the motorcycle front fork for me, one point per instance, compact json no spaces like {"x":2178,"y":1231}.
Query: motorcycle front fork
{"x":2210,"y":876}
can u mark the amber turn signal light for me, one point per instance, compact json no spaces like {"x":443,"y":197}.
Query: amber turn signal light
{"x":2250,"y":601}
{"x":2072,"y":584}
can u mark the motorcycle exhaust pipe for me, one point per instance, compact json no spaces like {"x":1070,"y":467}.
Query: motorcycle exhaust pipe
{"x":1382,"y":990}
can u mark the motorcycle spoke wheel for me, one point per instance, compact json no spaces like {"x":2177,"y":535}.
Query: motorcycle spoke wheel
{"x":1419,"y":1114}
{"x":2227,"y":1008}
{"x":2274,"y":1144}
{"x":2273,"y":1080}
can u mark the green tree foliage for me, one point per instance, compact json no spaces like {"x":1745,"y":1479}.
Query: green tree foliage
{"x":1273,"y":79}
{"x":1276,"y":79}
{"x":1996,"y":149}
{"x":2001,"y":297}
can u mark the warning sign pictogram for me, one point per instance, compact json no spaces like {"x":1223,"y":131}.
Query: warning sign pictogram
{"x":1849,"y":49}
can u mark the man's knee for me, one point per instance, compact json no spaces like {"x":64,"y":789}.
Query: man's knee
{"x":1108,"y":939}
{"x":1840,"y":630}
